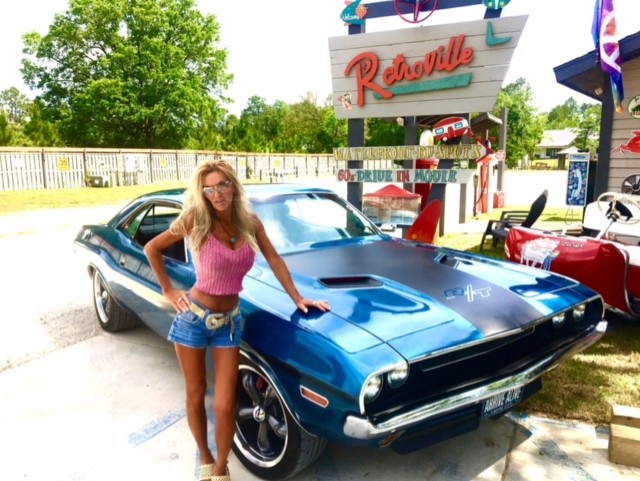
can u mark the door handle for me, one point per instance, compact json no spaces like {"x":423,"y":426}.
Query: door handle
{"x":122,"y":261}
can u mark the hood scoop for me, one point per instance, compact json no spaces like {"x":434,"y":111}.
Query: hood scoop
{"x":349,"y":282}
{"x":450,"y":260}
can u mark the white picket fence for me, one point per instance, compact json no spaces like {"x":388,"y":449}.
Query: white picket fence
{"x":55,"y":168}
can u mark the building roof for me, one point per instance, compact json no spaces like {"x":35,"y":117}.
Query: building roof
{"x":557,"y":138}
{"x":584,"y":75}
{"x":569,"y":150}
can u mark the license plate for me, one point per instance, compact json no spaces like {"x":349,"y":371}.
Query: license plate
{"x":501,"y":402}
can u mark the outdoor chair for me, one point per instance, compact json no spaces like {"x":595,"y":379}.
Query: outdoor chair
{"x":497,"y":229}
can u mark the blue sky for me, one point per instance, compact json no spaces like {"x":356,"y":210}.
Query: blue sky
{"x":279,"y":50}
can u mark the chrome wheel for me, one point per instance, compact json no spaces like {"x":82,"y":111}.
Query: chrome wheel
{"x":100,"y":298}
{"x":111,"y":316}
{"x":268,"y":441}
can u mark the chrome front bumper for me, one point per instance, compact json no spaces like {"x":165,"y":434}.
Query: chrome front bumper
{"x":361,"y":428}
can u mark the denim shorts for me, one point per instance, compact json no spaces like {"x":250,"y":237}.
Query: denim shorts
{"x":189,"y":329}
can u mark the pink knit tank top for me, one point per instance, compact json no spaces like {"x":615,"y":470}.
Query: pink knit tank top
{"x":220,"y":270}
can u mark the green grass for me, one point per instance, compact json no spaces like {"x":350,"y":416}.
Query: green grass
{"x":554,"y":218}
{"x":582,"y":388}
{"x":24,"y":200}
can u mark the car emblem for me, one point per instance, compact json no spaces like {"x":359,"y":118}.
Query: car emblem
{"x":469,"y":292}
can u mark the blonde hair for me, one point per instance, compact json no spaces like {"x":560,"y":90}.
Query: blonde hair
{"x":198,"y":218}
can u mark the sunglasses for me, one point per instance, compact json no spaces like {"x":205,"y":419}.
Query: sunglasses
{"x":222,"y":187}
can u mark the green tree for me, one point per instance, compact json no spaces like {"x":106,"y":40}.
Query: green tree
{"x":524,"y":125}
{"x":40,"y":131}
{"x":5,"y":130}
{"x":584,"y":119}
{"x":335,"y":132}
{"x":304,"y":126}
{"x":381,"y":132}
{"x":230,"y":134}
{"x":260,"y":126}
{"x":14,"y":104}
{"x":589,"y":126}
{"x":129,"y":73}
{"x":564,"y":116}
{"x":12,"y":134}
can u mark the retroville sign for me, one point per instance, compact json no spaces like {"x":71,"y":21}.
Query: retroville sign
{"x":440,"y":69}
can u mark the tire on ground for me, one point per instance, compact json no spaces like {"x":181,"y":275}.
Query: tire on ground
{"x":111,"y":316}
{"x":268,"y":440}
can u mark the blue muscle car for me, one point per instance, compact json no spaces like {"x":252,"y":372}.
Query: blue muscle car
{"x":421,"y":344}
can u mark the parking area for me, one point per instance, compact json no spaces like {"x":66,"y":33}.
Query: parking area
{"x":80,"y":404}
{"x":111,"y":407}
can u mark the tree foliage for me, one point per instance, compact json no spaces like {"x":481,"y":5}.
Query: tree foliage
{"x":128,"y":73}
{"x":304,"y":126}
{"x":149,"y":74}
{"x":525,"y":126}
{"x":14,"y":104}
{"x":589,"y":126}
{"x":584,"y":119}
{"x":564,"y":116}
{"x":381,"y":132}
{"x":38,"y":130}
{"x":5,"y":131}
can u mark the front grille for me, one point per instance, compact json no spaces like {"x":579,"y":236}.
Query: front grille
{"x":440,"y":376}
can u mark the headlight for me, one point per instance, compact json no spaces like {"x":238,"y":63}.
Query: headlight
{"x":372,"y":388}
{"x":398,"y":376}
{"x":558,"y":320}
{"x":578,"y":312}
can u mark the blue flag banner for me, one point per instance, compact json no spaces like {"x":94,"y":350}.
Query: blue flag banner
{"x":605,"y":39}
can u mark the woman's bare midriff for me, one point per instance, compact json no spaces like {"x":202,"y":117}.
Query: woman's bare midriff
{"x":223,"y":303}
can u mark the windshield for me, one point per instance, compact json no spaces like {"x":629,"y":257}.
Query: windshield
{"x":300,"y":220}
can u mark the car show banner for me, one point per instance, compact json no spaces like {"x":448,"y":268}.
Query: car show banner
{"x":446,"y":69}
{"x":425,"y":176}
{"x":407,"y":152}
{"x":413,"y":152}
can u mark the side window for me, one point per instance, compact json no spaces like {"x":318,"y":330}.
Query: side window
{"x":132,"y":225}
{"x":147,"y":223}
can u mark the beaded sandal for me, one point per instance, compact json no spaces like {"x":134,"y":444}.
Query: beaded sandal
{"x":206,"y":471}
{"x":222,"y":477}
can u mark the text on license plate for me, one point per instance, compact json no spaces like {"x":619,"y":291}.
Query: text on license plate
{"x":501,"y":402}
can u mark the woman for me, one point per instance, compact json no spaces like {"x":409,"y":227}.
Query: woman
{"x":224,"y":236}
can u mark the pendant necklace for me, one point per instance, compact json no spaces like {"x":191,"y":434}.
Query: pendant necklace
{"x":232,"y":238}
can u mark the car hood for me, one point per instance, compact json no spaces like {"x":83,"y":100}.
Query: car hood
{"x":422,"y":299}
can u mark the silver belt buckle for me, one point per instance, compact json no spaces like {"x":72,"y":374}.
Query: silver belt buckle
{"x":214,"y":321}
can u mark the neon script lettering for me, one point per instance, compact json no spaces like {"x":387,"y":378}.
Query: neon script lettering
{"x":442,"y":59}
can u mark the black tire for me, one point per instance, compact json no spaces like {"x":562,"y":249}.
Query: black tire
{"x":268,"y":440}
{"x":111,"y":316}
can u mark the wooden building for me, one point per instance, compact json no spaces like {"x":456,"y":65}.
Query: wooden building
{"x":619,"y":146}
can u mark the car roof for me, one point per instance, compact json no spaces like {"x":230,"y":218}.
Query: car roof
{"x":270,"y":190}
{"x":252,"y":191}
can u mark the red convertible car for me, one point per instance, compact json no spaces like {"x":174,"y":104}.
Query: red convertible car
{"x":605,"y":255}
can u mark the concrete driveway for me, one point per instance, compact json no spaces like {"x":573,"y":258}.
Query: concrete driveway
{"x":80,"y":404}
{"x":111,"y":407}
